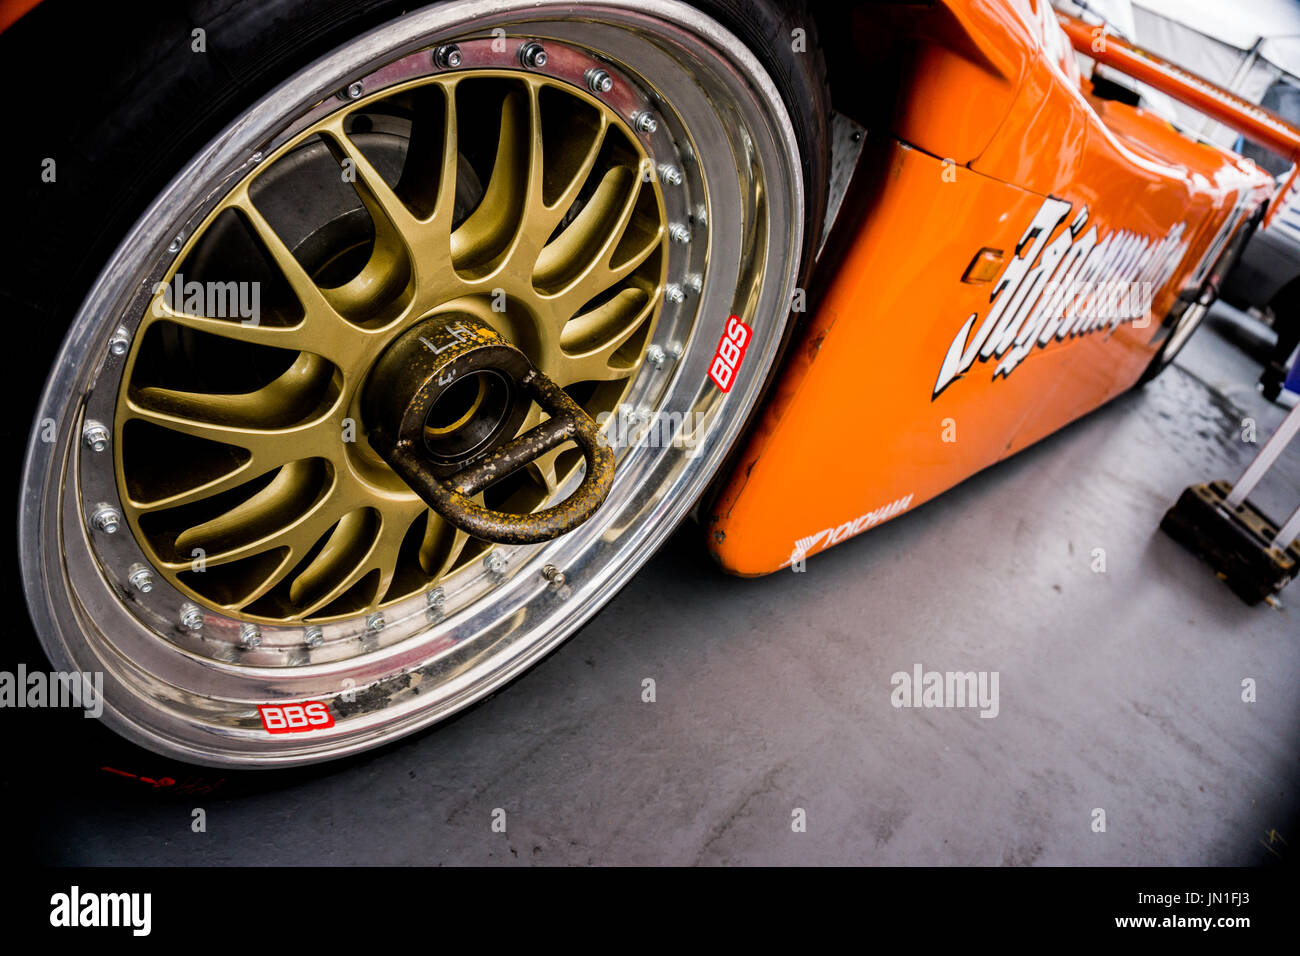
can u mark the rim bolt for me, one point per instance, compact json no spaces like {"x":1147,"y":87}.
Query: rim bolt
{"x":554,"y":575}
{"x":352,"y":92}
{"x":191,"y":617}
{"x":375,"y":622}
{"x":106,"y":519}
{"x":494,"y":562}
{"x":120,"y":342}
{"x":95,"y":435}
{"x":696,"y":282}
{"x":675,"y":350}
{"x":448,"y":56}
{"x":679,"y":233}
{"x":314,"y":636}
{"x":598,"y":81}
{"x":670,"y":175}
{"x":673,"y":293}
{"x":645,"y":122}
{"x":436,"y":598}
{"x":140,"y":578}
{"x":702,"y":215}
{"x":532,"y":55}
{"x":656,"y":356}
{"x":175,"y":245}
{"x":250,"y":635}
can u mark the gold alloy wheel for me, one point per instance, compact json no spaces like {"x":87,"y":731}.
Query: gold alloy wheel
{"x":283,"y":513}
{"x":208,"y":526}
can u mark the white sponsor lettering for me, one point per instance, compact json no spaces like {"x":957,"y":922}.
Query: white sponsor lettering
{"x":1073,"y":285}
{"x":833,"y":536}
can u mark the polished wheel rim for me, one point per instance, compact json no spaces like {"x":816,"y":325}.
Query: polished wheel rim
{"x":1187,"y":323}
{"x":201,"y":530}
{"x":282,"y":513}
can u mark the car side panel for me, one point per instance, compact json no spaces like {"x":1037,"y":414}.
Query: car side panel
{"x":861,"y":427}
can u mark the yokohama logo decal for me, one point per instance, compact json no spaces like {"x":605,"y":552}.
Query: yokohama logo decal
{"x":1076,"y":284}
{"x":296,"y":718}
{"x":828,"y":537}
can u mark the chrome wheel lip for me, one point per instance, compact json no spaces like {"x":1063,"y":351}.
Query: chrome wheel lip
{"x":182,"y":723}
{"x":1186,"y":325}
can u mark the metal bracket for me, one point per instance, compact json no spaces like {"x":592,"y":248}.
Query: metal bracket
{"x":419,"y":370}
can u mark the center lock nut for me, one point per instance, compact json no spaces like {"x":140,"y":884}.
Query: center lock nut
{"x":445,"y":402}
{"x":448,"y":387}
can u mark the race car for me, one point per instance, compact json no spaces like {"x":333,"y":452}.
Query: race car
{"x":367,"y":352}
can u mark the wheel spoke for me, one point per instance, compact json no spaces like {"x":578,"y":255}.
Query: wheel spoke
{"x":290,"y":397}
{"x":592,"y":339}
{"x":534,"y":246}
{"x":428,"y":239}
{"x":556,"y":210}
{"x":321,"y":330}
{"x":294,"y":337}
{"x":268,"y":446}
{"x":381,"y":557}
{"x":245,"y":473}
{"x":561,"y":257}
{"x":384,"y":205}
{"x":283,"y":514}
{"x":600,"y":273}
{"x":441,"y":544}
{"x":345,"y":551}
{"x":445,"y":207}
{"x":396,"y":521}
{"x":491,"y":228}
{"x":542,"y":469}
{"x":258,"y":588}
{"x":319,"y":313}
{"x":459,"y":540}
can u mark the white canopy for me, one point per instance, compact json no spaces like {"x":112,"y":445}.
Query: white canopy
{"x":1240,"y":23}
{"x":1214,"y":38}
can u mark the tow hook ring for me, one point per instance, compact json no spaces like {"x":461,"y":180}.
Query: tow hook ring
{"x":420,"y":369}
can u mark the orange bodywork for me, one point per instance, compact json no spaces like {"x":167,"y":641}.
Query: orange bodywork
{"x":911,"y":375}
{"x":11,"y":11}
{"x":908,"y":379}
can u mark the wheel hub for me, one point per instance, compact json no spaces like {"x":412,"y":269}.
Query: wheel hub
{"x":449,"y":388}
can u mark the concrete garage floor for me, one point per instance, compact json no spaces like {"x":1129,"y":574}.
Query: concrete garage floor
{"x":1118,"y":690}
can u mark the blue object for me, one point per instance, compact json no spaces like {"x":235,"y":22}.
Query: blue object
{"x":1292,"y":382}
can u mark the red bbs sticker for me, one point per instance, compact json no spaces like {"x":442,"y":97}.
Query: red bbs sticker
{"x":730,"y":353}
{"x":295,"y":718}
